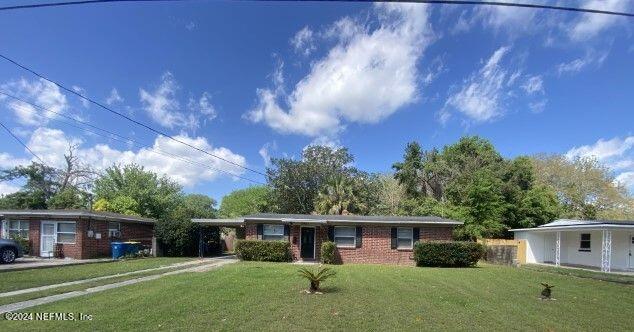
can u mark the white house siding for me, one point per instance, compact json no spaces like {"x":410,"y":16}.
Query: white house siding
{"x":537,"y":247}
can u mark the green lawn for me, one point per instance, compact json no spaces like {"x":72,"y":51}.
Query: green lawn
{"x":14,"y":280}
{"x":267,"y":296}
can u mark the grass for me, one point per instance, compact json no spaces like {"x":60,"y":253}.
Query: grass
{"x":14,"y":280}
{"x":580,"y":273}
{"x":268,"y":296}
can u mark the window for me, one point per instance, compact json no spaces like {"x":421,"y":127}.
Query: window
{"x":273,"y":232}
{"x":114,"y":229}
{"x":345,"y":236}
{"x":66,"y":232}
{"x":584,"y":243}
{"x":404,"y":237}
{"x":18,"y":228}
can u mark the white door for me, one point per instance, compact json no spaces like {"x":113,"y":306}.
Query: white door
{"x":631,"y":251}
{"x":549,"y":248}
{"x":47,"y":239}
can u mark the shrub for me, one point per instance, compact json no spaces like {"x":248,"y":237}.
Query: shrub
{"x":24,"y":244}
{"x":328,"y":252}
{"x":448,"y":254}
{"x":316,"y":277}
{"x":266,"y":251}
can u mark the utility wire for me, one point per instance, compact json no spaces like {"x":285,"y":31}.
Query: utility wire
{"x":119,"y":137}
{"x":444,"y":2}
{"x":22,"y":143}
{"x":156,"y":131}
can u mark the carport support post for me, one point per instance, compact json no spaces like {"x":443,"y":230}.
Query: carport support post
{"x":606,"y":251}
{"x":558,"y":249}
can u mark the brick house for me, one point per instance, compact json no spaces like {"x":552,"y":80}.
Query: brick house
{"x":75,"y":234}
{"x":359,"y":239}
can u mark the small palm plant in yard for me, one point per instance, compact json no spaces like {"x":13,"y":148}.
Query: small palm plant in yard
{"x":315,"y":277}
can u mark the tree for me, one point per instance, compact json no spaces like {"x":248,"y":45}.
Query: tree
{"x":75,"y":173}
{"x":246,"y":201}
{"x":391,"y":195}
{"x":585,"y":188}
{"x":336,"y":197}
{"x":38,"y":189}
{"x":408,"y":171}
{"x":178,"y":234}
{"x":135,"y":190}
{"x":296,"y":183}
{"x":69,"y":198}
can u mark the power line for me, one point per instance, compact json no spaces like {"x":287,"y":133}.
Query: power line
{"x":119,"y":137}
{"x":156,"y":131}
{"x":444,"y":2}
{"x":22,"y":143}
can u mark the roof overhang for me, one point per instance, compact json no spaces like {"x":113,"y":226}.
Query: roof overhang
{"x":590,"y":227}
{"x":74,"y":214}
{"x":220,"y":222}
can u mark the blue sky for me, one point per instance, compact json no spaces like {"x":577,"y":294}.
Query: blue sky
{"x":254,"y":80}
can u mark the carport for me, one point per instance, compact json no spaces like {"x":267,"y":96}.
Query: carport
{"x":205,"y":232}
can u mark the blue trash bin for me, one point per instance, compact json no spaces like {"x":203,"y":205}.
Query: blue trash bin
{"x":131,"y":247}
{"x":117,"y":249}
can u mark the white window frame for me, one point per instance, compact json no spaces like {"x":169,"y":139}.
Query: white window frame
{"x":354,"y":237}
{"x":111,"y":230}
{"x":19,"y":229}
{"x":57,"y":232}
{"x":264,"y":235}
{"x":398,"y":238}
{"x":581,"y":240}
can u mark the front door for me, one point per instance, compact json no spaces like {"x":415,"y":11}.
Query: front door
{"x":307,"y":250}
{"x":632,"y":251}
{"x":47,"y":239}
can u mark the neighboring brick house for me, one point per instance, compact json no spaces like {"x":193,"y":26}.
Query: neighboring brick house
{"x":75,"y":234}
{"x":359,"y":239}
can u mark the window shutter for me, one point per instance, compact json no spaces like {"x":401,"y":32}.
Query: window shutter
{"x":394,"y":241}
{"x":260,"y":230}
{"x":359,"y":236}
{"x":287,"y":232}
{"x":416,"y":234}
{"x":331,"y":233}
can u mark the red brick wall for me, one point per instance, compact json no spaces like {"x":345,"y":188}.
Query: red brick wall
{"x":375,"y":248}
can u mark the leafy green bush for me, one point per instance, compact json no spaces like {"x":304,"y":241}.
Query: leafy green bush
{"x":328,"y":252}
{"x":448,"y":254}
{"x":267,"y":251}
{"x":24,"y":243}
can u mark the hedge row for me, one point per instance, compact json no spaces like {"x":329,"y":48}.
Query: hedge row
{"x":448,"y":254}
{"x":266,"y":251}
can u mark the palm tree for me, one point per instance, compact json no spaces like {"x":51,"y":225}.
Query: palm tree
{"x":316,"y":277}
{"x":336,"y":197}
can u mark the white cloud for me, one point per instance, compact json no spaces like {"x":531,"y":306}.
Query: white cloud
{"x":7,"y":188}
{"x":39,"y":92}
{"x":204,"y":106}
{"x":304,"y":42}
{"x":591,"y":25}
{"x":8,"y":161}
{"x":533,"y":85}
{"x":603,"y":149}
{"x":626,"y":179}
{"x":590,"y":58}
{"x":616,"y":153}
{"x":367,"y":76}
{"x":265,"y":152}
{"x":503,"y":17}
{"x":82,"y":92}
{"x":481,"y":95}
{"x":114,"y":97}
{"x":162,"y":157}
{"x":538,"y":106}
{"x":163,"y":106}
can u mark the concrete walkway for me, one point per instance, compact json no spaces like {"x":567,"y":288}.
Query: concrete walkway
{"x":27,"y":263}
{"x":206,"y":266}
{"x":83,"y":281}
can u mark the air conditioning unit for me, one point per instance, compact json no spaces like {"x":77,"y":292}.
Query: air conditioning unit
{"x":114,"y":233}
